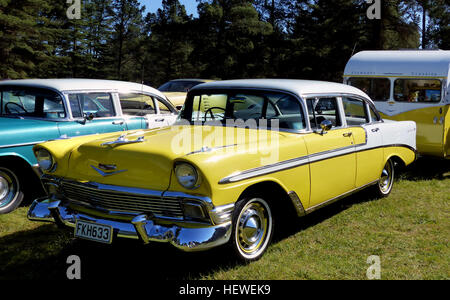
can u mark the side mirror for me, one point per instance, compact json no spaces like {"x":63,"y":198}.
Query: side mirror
{"x":326,"y":125}
{"x":89,"y":117}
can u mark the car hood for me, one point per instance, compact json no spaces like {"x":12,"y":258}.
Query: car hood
{"x":21,"y":131}
{"x":148,"y":160}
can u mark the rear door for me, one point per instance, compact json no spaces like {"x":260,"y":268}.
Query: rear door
{"x":332,"y":155}
{"x":151,"y":111}
{"x":365,"y":126}
{"x":135,"y":108}
{"x":167,"y":115}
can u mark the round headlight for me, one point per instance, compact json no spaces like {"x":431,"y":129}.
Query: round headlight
{"x":187,"y":175}
{"x":45,"y":159}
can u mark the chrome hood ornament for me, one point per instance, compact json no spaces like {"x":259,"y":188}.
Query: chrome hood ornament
{"x":122,"y":140}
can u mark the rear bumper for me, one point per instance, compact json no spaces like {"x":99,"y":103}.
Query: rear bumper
{"x":139,"y":227}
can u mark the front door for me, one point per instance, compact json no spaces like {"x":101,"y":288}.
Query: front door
{"x":98,"y":106}
{"x":332,"y":155}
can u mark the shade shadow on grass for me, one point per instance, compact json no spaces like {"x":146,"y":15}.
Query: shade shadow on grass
{"x":42,"y":254}
{"x":427,"y":168}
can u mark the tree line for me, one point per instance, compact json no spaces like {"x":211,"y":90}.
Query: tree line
{"x":117,"y":39}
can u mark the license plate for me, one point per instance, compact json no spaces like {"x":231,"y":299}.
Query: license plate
{"x":94,"y":232}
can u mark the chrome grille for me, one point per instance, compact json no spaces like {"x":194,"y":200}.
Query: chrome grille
{"x":129,"y":202}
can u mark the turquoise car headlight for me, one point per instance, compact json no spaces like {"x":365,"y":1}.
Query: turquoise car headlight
{"x":45,"y":159}
{"x":187,"y":175}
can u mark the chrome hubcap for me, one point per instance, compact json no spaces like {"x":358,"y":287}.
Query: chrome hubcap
{"x":8,"y":187}
{"x":253,"y":228}
{"x":386,"y":179}
{"x":4,"y":188}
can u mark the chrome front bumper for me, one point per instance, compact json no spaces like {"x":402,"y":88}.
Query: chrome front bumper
{"x":140,"y":226}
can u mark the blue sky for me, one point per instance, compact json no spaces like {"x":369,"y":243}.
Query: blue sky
{"x":153,"y":5}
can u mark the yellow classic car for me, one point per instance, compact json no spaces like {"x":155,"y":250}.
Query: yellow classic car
{"x":242,"y":154}
{"x":177,"y":89}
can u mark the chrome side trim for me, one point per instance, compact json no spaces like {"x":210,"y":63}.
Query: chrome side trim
{"x":288,"y":164}
{"x":21,"y":145}
{"x":281,"y":166}
{"x":303,"y":160}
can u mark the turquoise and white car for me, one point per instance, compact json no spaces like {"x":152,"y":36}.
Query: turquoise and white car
{"x":34,"y":111}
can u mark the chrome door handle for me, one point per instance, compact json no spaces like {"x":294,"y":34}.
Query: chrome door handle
{"x":160,"y":120}
{"x":118,"y":122}
{"x":348,"y":134}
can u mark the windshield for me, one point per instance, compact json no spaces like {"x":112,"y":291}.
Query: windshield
{"x":222,"y":107}
{"x":36,"y":103}
{"x":178,"y":86}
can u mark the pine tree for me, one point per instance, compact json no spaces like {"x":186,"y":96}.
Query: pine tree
{"x":23,"y":37}
{"x":127,"y":25}
{"x":170,"y":45}
{"x":231,"y":38}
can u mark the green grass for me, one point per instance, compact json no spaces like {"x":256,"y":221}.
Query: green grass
{"x":409,"y":230}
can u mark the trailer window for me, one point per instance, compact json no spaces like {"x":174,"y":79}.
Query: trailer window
{"x":378,"y":89}
{"x":417,"y":90}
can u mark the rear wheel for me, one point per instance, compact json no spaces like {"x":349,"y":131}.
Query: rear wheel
{"x":386,"y":182}
{"x":252,"y":228}
{"x":11,"y":194}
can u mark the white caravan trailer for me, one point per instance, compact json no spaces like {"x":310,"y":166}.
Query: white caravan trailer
{"x":408,"y":85}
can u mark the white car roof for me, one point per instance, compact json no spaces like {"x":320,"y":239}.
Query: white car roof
{"x":66,"y":85}
{"x":298,"y":87}
{"x":421,"y":63}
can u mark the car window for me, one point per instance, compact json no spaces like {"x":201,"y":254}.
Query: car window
{"x":355,"y":111}
{"x":32,"y":103}
{"x":378,"y":89}
{"x":137,"y":104}
{"x":287,"y":110}
{"x":163,"y":108}
{"x":283,"y":109}
{"x":417,"y":90}
{"x":100,"y":105}
{"x":321,"y":109}
{"x":374,"y":116}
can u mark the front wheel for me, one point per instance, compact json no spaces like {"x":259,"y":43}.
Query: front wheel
{"x":386,"y":182}
{"x":253,"y":226}
{"x":11,"y":194}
